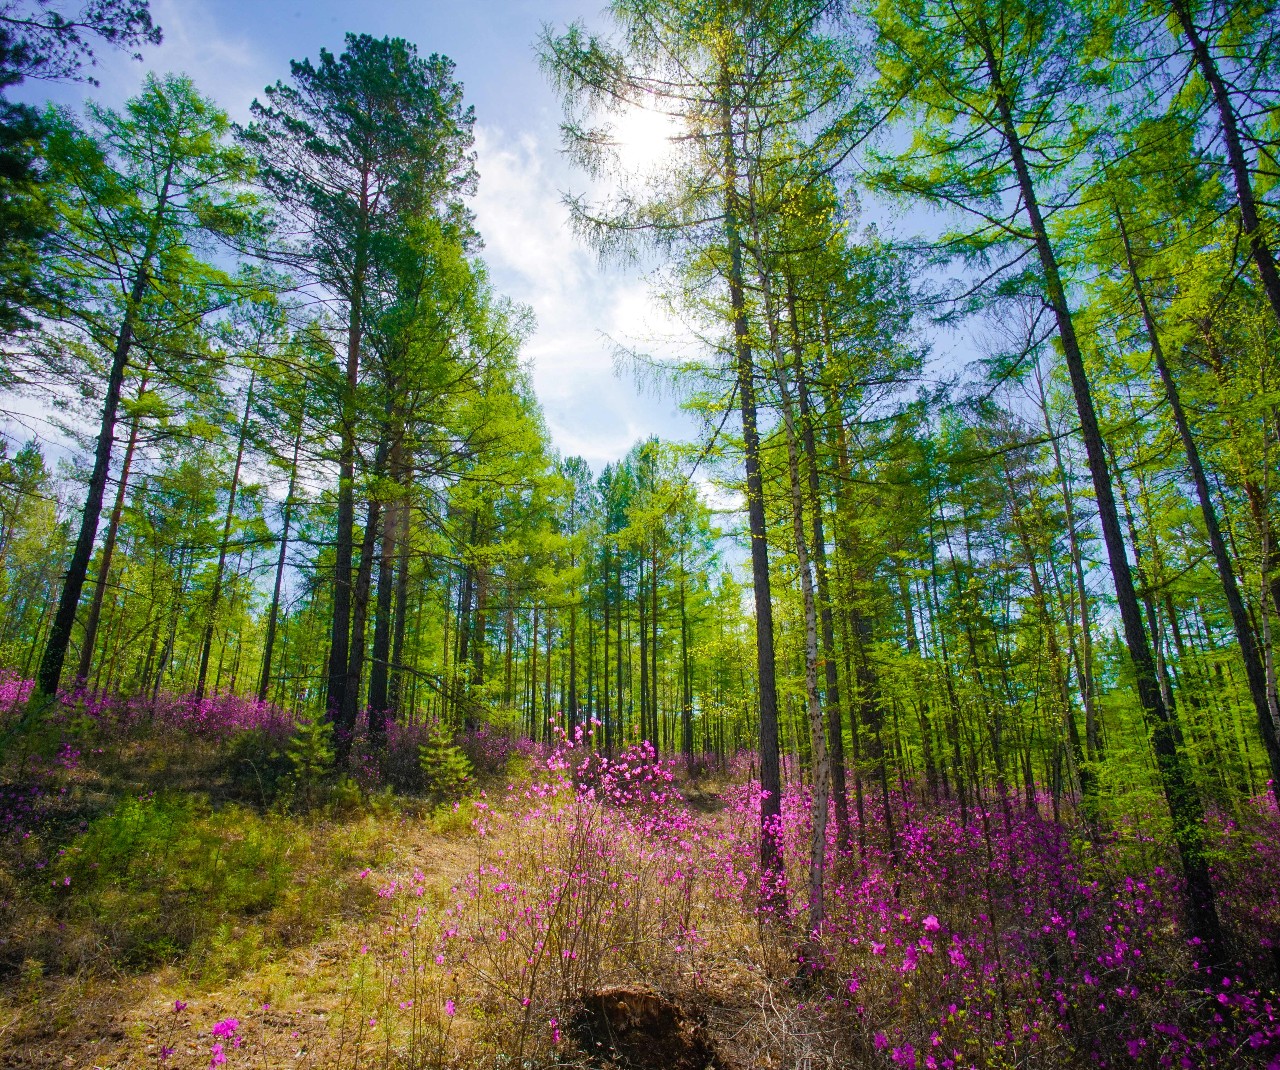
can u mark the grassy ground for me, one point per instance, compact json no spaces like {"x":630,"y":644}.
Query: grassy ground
{"x":174,"y":900}
{"x":273,"y":952}
{"x":159,"y":897}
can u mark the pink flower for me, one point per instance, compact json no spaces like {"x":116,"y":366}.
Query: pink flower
{"x":931,"y":924}
{"x":226,"y":1028}
{"x":450,"y":1008}
{"x":218,"y":1056}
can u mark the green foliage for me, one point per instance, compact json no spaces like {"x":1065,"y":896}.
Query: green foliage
{"x":310,"y":752}
{"x":345,"y":796}
{"x":445,"y":767}
{"x":159,"y":873}
{"x":257,"y":767}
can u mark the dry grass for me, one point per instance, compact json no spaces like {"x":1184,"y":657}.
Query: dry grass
{"x":100,"y":1015}
{"x":465,"y":938}
{"x":339,"y":997}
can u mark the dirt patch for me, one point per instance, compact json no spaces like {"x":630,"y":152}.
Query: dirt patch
{"x":635,"y":1028}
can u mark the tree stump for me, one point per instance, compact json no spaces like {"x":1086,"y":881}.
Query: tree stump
{"x":633,"y":1028}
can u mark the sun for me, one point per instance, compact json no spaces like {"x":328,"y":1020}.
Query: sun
{"x":644,"y":139}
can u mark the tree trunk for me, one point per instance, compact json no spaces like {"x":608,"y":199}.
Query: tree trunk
{"x":572,"y":704}
{"x":831,"y":681}
{"x":1179,"y":790}
{"x":1255,"y":671}
{"x":466,"y":595}
{"x":817,"y":729}
{"x":1049,"y":624}
{"x":1082,"y":656}
{"x":344,"y":541}
{"x":378,"y":668}
{"x":206,"y":644}
{"x":349,"y":712}
{"x":273,"y":616}
{"x":653,"y":639}
{"x":605,"y":713}
{"x":773,"y":888}
{"x":481,"y":623}
{"x":686,"y":683}
{"x":549,"y":733}
{"x":622,"y":655}
{"x":55,"y":651}
{"x":642,"y":603}
{"x":395,"y":683}
{"x":534,"y":725}
{"x":108,"y":549}
{"x":1236,"y":161}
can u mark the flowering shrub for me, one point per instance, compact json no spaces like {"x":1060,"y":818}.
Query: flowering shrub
{"x":488,"y":749}
{"x":589,"y":876}
{"x":14,"y":690}
{"x":989,"y":942}
{"x":999,"y":940}
{"x":635,"y":776}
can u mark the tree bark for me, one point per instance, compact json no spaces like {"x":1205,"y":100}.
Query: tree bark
{"x":349,"y":712}
{"x":55,"y":651}
{"x":835,"y":728}
{"x":206,"y":644}
{"x":817,"y":729}
{"x":1179,"y":790}
{"x":344,"y":541}
{"x":605,"y":713}
{"x":273,"y":616}
{"x":686,"y":683}
{"x":1255,"y":671}
{"x":773,"y":890}
{"x":395,"y":683}
{"x":378,"y":668}
{"x":89,"y":638}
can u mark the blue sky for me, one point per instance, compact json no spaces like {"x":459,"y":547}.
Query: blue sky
{"x":233,"y":48}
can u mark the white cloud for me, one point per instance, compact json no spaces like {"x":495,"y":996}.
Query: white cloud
{"x":224,"y":64}
{"x":583,"y":309}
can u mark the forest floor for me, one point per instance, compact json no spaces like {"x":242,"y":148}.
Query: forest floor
{"x":286,"y":999}
{"x":159,"y":909}
{"x":287,"y":961}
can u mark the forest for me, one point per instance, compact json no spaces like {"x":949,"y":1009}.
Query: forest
{"x":920,"y":711}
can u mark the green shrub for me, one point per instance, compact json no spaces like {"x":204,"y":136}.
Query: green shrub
{"x":345,"y":796}
{"x":445,"y":767}
{"x":256,"y":767}
{"x":311,"y":749}
{"x":159,"y":874}
{"x":311,"y":754}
